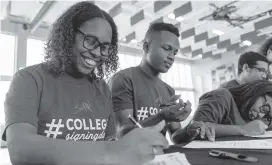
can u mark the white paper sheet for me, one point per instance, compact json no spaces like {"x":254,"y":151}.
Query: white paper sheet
{"x":169,"y":159}
{"x":268,"y":134}
{"x":241,"y":144}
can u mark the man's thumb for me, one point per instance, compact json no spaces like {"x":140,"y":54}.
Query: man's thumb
{"x":158,"y":127}
{"x":174,"y":98}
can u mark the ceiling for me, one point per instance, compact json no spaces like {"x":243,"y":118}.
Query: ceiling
{"x":133,"y":18}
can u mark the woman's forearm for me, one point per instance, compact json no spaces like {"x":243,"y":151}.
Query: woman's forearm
{"x":36,"y":149}
{"x":226,"y":130}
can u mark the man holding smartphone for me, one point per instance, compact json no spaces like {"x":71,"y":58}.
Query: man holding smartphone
{"x":139,"y":92}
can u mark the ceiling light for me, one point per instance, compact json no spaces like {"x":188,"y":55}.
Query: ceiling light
{"x":199,"y":56}
{"x":218,"y":32}
{"x":171,"y":15}
{"x":246,"y":42}
{"x":133,"y":41}
{"x":180,"y":18}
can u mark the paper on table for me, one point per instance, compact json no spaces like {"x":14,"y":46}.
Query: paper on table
{"x":268,"y":134}
{"x":169,"y":159}
{"x":242,"y":144}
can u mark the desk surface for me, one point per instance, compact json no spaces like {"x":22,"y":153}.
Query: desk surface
{"x":201,"y":156}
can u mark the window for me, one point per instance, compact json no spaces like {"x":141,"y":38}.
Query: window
{"x":4,"y":86}
{"x":187,"y":95}
{"x":35,"y":51}
{"x":7,"y":50}
{"x":127,"y":61}
{"x":179,"y":77}
{"x":188,"y":77}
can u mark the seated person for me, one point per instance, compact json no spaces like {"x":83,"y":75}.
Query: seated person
{"x":241,"y":110}
{"x":252,"y":66}
{"x":60,"y":111}
{"x":139,"y":92}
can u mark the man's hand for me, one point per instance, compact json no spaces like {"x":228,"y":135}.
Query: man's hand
{"x":177,"y":112}
{"x":205,"y":130}
{"x":255,"y":127}
{"x":139,"y":145}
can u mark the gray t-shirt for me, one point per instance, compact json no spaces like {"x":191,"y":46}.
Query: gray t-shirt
{"x":133,"y":89}
{"x":62,"y":107}
{"x":229,"y":84}
{"x":218,"y":107}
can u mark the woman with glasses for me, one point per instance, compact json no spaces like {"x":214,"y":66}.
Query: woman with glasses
{"x":60,"y":111}
{"x":240,"y":110}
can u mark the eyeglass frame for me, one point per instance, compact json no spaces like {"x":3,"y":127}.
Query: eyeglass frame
{"x":261,"y":70}
{"x":261,"y":110}
{"x":98,"y":45}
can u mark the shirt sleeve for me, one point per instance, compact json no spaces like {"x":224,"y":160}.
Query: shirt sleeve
{"x":22,"y":101}
{"x":212,"y":107}
{"x":110,"y":132}
{"x":122,"y":95}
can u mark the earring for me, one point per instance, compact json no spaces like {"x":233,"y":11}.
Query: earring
{"x":251,"y":116}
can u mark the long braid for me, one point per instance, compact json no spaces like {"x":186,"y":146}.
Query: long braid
{"x":246,"y":95}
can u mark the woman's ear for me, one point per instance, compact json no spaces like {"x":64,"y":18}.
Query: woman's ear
{"x":145,"y":47}
{"x":251,"y":116}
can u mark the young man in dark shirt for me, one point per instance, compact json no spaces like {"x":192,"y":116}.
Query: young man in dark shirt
{"x":139,"y":92}
{"x":251,"y":66}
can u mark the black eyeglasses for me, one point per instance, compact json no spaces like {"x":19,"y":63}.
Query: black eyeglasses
{"x":264,"y":109}
{"x":91,"y":42}
{"x":262,"y":70}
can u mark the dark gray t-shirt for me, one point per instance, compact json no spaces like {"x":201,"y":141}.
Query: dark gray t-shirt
{"x":133,"y":89}
{"x":60,"y":107}
{"x":229,"y":84}
{"x":218,"y":107}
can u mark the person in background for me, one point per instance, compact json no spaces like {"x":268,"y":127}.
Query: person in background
{"x":139,"y":92}
{"x":251,"y":66}
{"x":60,"y":111}
{"x":238,"y":110}
{"x":266,"y":50}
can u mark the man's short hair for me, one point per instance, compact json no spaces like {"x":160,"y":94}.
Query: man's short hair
{"x":250,"y":58}
{"x":161,"y":26}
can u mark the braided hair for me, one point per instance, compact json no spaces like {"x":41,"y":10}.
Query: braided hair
{"x":59,"y":46}
{"x":246,"y":95}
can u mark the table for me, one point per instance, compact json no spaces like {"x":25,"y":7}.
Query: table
{"x":201,"y":156}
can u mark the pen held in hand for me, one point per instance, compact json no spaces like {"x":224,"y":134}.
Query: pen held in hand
{"x":193,"y":137}
{"x":134,"y":121}
{"x":170,"y":104}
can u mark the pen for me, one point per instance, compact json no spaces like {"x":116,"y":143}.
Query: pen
{"x":229,"y":155}
{"x":170,"y":104}
{"x":134,"y":121}
{"x":167,"y":105}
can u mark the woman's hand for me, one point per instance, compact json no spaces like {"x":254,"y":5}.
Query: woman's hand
{"x":204,"y":130}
